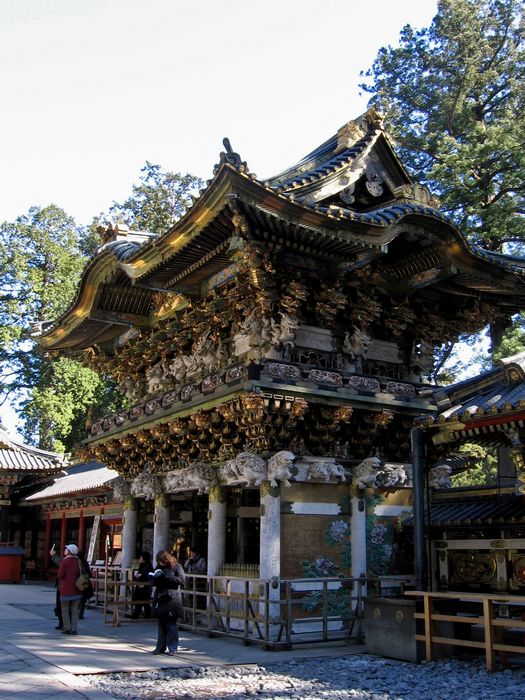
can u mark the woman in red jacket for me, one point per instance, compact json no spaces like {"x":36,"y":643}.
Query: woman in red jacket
{"x":70,"y":596}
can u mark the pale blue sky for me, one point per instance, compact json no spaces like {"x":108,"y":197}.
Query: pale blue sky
{"x":91,"y":89}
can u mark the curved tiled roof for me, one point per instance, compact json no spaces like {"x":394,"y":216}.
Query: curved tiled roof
{"x":14,"y":455}
{"x":478,"y":511}
{"x":498,"y":391}
{"x":85,"y":477}
{"x":122,"y":250}
{"x":315,"y":167}
{"x":196,"y":246}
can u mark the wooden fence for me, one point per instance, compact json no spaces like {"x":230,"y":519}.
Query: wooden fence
{"x":491,"y":614}
{"x":275,"y":614}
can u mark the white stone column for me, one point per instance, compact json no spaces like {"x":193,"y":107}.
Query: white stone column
{"x":358,"y":535}
{"x":161,"y":525}
{"x":270,"y":540}
{"x":129,"y":533}
{"x":216,"y":529}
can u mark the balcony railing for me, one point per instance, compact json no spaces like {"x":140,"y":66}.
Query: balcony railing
{"x":278,"y":614}
{"x":486,"y":618}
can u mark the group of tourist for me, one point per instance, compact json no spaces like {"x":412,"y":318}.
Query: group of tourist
{"x":166,"y":581}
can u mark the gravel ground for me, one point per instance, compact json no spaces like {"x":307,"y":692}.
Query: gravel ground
{"x":350,"y":677}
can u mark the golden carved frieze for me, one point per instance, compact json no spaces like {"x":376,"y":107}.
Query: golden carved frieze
{"x":254,"y":422}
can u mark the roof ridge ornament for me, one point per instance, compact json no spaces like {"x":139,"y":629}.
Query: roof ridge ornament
{"x":356,"y":129}
{"x":514,"y":368}
{"x":231,"y":157}
{"x":420,"y":194}
{"x":119,"y":231}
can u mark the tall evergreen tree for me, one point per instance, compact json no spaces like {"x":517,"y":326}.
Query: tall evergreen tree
{"x":159,"y":199}
{"x":40,"y":265}
{"x":453,"y":96}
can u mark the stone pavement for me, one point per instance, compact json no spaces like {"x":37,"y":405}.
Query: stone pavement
{"x":37,"y":661}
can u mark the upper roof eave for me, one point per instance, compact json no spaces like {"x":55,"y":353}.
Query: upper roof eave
{"x":348,"y":145}
{"x":371,"y":229}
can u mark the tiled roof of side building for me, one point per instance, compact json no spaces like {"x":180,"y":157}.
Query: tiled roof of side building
{"x":15,"y":455}
{"x":477,"y":511}
{"x":499,"y":390}
{"x":81,"y":478}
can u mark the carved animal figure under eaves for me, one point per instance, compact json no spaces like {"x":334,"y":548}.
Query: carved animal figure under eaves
{"x":287,"y":330}
{"x":146,"y":485}
{"x":156,"y":378}
{"x":279,"y":467}
{"x":326,"y":471}
{"x":121,"y":490}
{"x":365,"y":473}
{"x":356,"y":344}
{"x":391,"y":475}
{"x":195,"y":477}
{"x":245,"y":468}
{"x":439,"y":476}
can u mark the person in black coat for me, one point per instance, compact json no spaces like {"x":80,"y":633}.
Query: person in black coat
{"x":167,"y":580}
{"x":88,"y":592}
{"x":58,"y":607}
{"x":142,"y":592}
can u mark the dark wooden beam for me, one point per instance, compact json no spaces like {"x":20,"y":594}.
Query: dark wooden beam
{"x":120,"y":318}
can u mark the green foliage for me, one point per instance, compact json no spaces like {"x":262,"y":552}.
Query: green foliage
{"x":158,"y":201}
{"x":40,"y":266}
{"x":91,"y":241}
{"x":65,"y":396}
{"x":453,"y":95}
{"x":39,"y":269}
{"x":513,"y":340}
{"x":484,"y":472}
{"x":42,"y":255}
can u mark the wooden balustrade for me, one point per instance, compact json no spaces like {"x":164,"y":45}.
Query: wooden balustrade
{"x":488,"y":619}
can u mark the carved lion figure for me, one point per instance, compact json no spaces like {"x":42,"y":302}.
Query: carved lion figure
{"x":195,"y":477}
{"x":246,"y":467}
{"x":356,"y":344}
{"x":326,"y":471}
{"x":121,"y":490}
{"x":365,"y":473}
{"x":392,"y":475}
{"x":279,"y":467}
{"x":439,"y":476}
{"x":146,"y":485}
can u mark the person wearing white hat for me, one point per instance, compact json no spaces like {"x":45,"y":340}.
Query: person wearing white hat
{"x":70,"y":595}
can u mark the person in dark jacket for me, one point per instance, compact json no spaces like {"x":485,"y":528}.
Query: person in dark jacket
{"x":196,"y":564}
{"x":68,"y":572}
{"x":88,"y":592}
{"x":142,"y":592}
{"x":167,"y":580}
{"x":58,"y":606}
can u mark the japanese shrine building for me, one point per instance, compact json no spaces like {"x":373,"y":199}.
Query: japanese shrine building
{"x":276,"y":346}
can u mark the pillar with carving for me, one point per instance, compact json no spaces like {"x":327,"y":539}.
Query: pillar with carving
{"x":161,"y":524}
{"x":270,"y":535}
{"x":216,"y":529}
{"x":129,"y":532}
{"x":358,"y":533}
